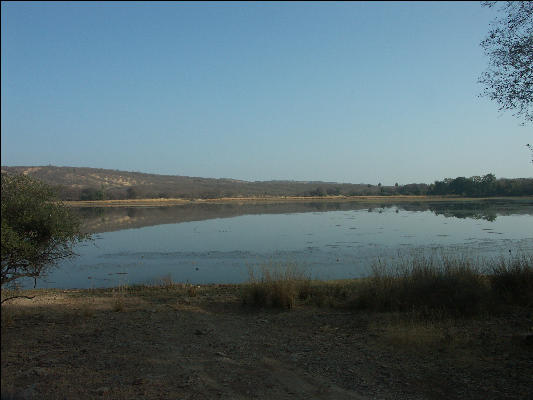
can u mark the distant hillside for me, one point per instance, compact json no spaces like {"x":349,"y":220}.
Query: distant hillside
{"x":106,"y":184}
{"x":96,"y":184}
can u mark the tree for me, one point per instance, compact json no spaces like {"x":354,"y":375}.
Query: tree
{"x":92,"y":194}
{"x":37,"y":230}
{"x":131,"y":193}
{"x":509,"y":46}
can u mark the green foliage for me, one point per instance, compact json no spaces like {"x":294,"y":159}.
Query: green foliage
{"x":131,"y":193}
{"x":413,"y":189}
{"x":37,"y":231}
{"x":91,"y":194}
{"x":508,"y":79}
{"x":486,"y":185}
{"x":318,"y":192}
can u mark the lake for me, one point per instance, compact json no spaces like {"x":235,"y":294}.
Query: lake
{"x":220,"y":243}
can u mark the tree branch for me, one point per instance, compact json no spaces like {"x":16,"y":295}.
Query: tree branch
{"x":16,"y":297}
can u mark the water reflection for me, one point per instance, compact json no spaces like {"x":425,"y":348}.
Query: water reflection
{"x":99,"y":219}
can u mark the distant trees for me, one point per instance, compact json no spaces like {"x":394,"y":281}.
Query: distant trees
{"x":486,"y":185}
{"x":37,"y":231}
{"x":318,"y":192}
{"x":90,"y":194}
{"x":413,"y":189}
{"x":334,"y":191}
{"x":509,"y":46}
{"x":131,"y":193}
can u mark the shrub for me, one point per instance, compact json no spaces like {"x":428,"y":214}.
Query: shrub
{"x":37,"y":230}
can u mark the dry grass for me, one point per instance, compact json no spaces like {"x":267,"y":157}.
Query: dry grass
{"x":277,"y":285}
{"x":426,"y":284}
{"x":433,"y":287}
{"x":192,"y":290}
{"x":119,"y":298}
{"x":166,"y":282}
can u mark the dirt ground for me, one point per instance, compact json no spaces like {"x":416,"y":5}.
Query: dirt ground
{"x":204,"y":344}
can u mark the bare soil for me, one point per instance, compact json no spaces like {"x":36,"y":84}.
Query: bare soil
{"x":202,"y":343}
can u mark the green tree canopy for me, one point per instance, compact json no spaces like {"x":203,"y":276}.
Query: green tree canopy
{"x":509,"y":46}
{"x":37,"y":230}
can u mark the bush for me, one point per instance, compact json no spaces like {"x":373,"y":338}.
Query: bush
{"x":37,"y":230}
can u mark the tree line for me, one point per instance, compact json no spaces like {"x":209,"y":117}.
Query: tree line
{"x":474,"y":186}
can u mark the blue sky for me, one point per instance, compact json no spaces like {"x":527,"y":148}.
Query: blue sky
{"x":346,"y":92}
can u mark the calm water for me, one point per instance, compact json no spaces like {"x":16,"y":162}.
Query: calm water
{"x":220,"y":243}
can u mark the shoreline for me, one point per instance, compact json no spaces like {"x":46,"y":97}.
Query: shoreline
{"x":281,"y":199}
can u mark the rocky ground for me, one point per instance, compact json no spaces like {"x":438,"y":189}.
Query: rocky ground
{"x":202,"y":343}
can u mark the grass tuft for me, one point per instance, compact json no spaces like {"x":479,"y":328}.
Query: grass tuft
{"x":119,"y":298}
{"x":277,"y":286}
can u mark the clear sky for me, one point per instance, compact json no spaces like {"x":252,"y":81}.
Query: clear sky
{"x":345,"y":92}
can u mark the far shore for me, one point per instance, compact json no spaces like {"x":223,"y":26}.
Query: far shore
{"x":279,"y":199}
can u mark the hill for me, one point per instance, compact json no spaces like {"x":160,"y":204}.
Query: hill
{"x":76,"y":183}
